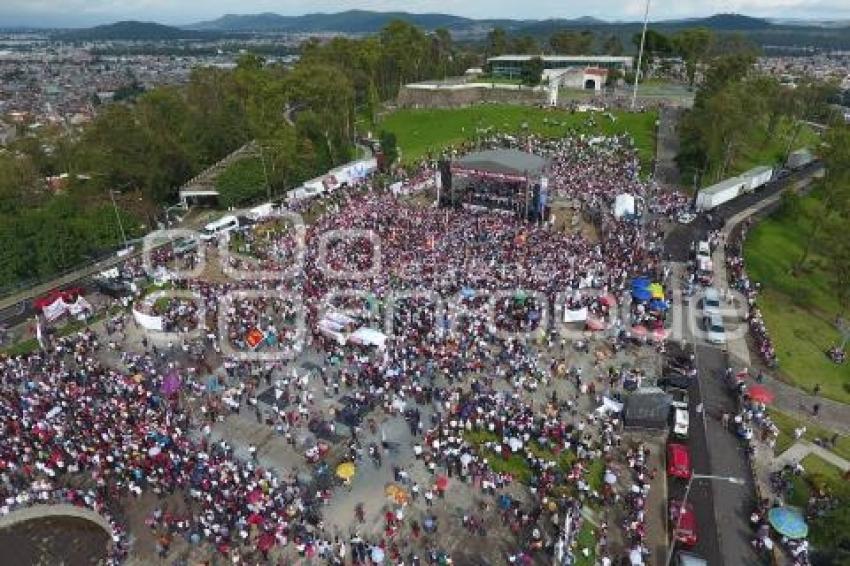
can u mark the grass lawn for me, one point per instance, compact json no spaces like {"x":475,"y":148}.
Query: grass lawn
{"x":586,"y":538}
{"x":773,"y":151}
{"x":787,"y":423}
{"x":799,"y":310}
{"x":419,"y":131}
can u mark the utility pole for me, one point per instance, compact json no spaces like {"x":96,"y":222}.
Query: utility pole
{"x":640,"y":54}
{"x":118,"y":217}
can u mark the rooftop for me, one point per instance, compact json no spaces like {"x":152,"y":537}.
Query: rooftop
{"x":502,"y":162}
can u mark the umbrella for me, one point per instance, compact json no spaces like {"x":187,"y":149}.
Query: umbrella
{"x":641,"y":294}
{"x":610,"y":478}
{"x":154,"y":451}
{"x":657,"y":291}
{"x":658,"y":305}
{"x":640,"y":283}
{"x":760,"y":394}
{"x":377,"y":554}
{"x":396,"y":493}
{"x":788,"y":522}
{"x":467,"y":292}
{"x":255,"y":519}
{"x":171,"y":383}
{"x":595,"y":324}
{"x":442,"y":483}
{"x":266,"y":541}
{"x":609,"y":300}
{"x":639,"y":330}
{"x":635,"y":557}
{"x":345,"y":471}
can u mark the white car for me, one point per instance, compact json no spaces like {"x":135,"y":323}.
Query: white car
{"x":681,"y":422}
{"x":686,"y":218}
{"x":711,"y":302}
{"x":714,"y":330}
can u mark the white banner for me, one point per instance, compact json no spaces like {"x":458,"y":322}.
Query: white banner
{"x":575,"y":315}
{"x":78,"y":306}
{"x":147,"y":321}
{"x":54,"y":310}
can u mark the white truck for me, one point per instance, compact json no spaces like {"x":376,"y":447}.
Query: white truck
{"x":724,"y":191}
{"x":757,"y":177}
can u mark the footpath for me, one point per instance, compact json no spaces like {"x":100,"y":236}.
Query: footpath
{"x":789,"y":399}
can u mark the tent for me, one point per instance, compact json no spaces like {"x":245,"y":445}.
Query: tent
{"x":369,"y":337}
{"x":624,"y":205}
{"x":647,"y":409}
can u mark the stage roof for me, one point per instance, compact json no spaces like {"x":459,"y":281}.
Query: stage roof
{"x":501,"y":162}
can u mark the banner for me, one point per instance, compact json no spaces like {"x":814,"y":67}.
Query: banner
{"x":579,"y":315}
{"x":54,"y":310}
{"x":148,"y":322}
{"x":79,"y":306}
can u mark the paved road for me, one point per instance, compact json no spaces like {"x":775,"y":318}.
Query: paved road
{"x":678,"y":241}
{"x":726,"y":456}
{"x":666,"y":169}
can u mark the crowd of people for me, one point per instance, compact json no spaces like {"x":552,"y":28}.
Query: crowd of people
{"x":66,"y":412}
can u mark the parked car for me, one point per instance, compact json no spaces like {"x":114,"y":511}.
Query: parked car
{"x":714,"y":330}
{"x":223,"y":225}
{"x":678,"y":461}
{"x":675,"y":381}
{"x":684,"y":558}
{"x":681,"y":423}
{"x":184,"y":245}
{"x":683,"y":522}
{"x":711,"y":302}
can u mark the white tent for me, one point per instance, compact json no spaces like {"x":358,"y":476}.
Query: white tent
{"x":577,"y":315}
{"x":369,"y":337}
{"x":624,"y":205}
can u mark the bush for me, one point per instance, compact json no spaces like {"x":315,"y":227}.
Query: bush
{"x":241,"y":183}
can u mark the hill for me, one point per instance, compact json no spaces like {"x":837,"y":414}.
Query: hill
{"x":131,"y":31}
{"x":351,"y":21}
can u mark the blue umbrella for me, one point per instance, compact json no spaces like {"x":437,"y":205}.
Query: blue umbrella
{"x":658,"y":305}
{"x":641,"y":283}
{"x":641,"y":294}
{"x":788,"y":522}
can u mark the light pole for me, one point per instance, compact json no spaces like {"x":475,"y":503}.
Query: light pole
{"x":118,"y":217}
{"x":734,"y":480}
{"x":640,"y":53}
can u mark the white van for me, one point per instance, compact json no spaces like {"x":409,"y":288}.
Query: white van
{"x":221,"y":226}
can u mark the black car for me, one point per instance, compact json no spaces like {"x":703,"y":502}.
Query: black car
{"x":675,"y":381}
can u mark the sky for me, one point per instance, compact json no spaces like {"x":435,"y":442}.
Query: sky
{"x":75,"y":13}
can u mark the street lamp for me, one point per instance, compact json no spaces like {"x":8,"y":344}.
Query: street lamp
{"x":640,"y":53}
{"x":118,"y":217}
{"x":733,"y":480}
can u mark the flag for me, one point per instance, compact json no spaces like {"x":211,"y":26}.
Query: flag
{"x":39,"y":333}
{"x":255,"y":337}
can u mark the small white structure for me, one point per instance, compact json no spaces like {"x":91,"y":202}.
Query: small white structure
{"x":624,"y":205}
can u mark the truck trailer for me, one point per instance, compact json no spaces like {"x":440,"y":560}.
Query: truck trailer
{"x":724,"y":191}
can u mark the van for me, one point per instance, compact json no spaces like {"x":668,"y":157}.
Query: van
{"x":221,"y":226}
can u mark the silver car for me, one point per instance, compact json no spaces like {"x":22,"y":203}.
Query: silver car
{"x":711,"y":302}
{"x":714,"y":329}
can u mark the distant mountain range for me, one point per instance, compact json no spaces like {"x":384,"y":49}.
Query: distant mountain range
{"x":764,"y":32}
{"x":131,"y":31}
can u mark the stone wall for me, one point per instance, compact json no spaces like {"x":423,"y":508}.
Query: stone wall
{"x":54,"y":510}
{"x":458,"y":97}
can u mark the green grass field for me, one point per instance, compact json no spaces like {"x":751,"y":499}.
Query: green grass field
{"x":787,"y":423}
{"x":799,"y":310}
{"x":422,"y":131}
{"x":772,"y":151}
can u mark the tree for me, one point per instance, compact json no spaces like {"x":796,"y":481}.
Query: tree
{"x":532,"y":71}
{"x":693,"y":46}
{"x":389,"y":147}
{"x":496,"y":43}
{"x":613,"y":45}
{"x":525,"y":45}
{"x":570,"y":42}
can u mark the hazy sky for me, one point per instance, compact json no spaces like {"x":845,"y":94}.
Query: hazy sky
{"x":89,"y":12}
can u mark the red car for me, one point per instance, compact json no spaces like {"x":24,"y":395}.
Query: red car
{"x":678,"y":461}
{"x":686,"y":533}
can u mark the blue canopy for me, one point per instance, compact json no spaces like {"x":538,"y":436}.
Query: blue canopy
{"x":641,"y":294}
{"x":641,"y":283}
{"x":658,"y":305}
{"x":788,"y":521}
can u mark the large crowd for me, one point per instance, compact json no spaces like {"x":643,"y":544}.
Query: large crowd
{"x":66,"y":414}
